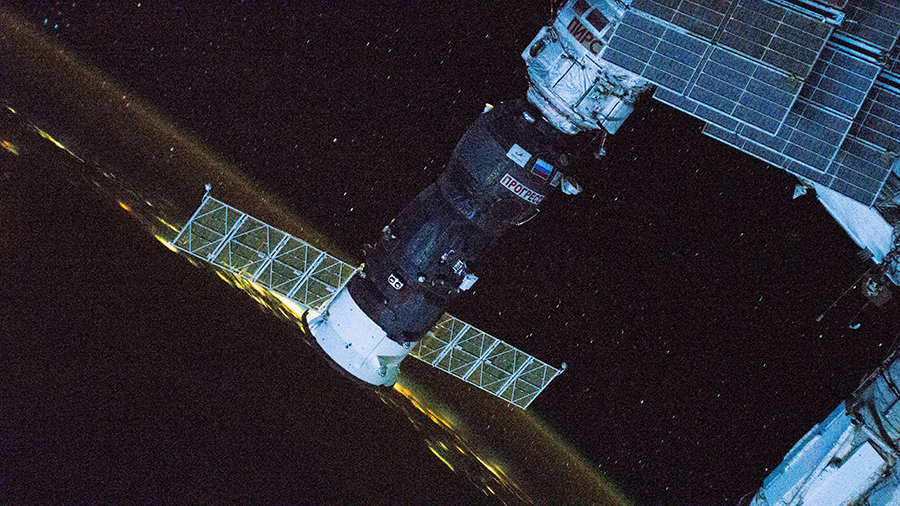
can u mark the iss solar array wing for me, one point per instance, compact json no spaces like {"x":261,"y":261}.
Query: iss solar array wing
{"x":281,"y":263}
{"x":811,"y":87}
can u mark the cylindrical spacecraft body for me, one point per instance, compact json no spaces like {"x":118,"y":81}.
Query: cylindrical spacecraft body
{"x":502,"y":169}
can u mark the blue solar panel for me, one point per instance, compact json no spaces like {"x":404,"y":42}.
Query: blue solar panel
{"x":879,"y":119}
{"x":840,"y":81}
{"x":773,"y":156}
{"x":787,"y":40}
{"x":810,"y":135}
{"x":753,"y":74}
{"x":701,"y":18}
{"x":858,"y":168}
{"x":815,"y":138}
{"x":745,"y":89}
{"x":655,"y":51}
{"x":808,"y":142}
{"x":762,"y":76}
{"x":731,"y":88}
{"x":874,"y":21}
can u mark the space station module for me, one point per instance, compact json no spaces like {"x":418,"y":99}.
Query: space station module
{"x":850,"y":458}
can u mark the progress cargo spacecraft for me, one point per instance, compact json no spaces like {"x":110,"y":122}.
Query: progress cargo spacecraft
{"x":508,"y":162}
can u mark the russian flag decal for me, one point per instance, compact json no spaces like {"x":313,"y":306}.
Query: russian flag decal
{"x":542,"y":169}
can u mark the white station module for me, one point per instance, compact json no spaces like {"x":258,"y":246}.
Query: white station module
{"x":573,"y":87}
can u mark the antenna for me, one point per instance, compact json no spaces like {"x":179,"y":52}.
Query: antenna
{"x":843,"y":294}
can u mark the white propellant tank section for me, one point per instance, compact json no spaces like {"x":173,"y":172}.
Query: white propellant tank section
{"x":356,"y":343}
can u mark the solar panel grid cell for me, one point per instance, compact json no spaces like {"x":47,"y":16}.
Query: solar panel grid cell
{"x":666,"y":59}
{"x":839,"y":83}
{"x":713,"y":100}
{"x":764,"y":121}
{"x":807,"y":155}
{"x":695,"y":26}
{"x":663,"y":9}
{"x":875,"y":21}
{"x":664,"y":79}
{"x":726,"y":136}
{"x":775,"y":142}
{"x":797,"y":36}
{"x":654,"y":51}
{"x":635,"y":43}
{"x":823,"y":125}
{"x":764,"y":153}
{"x":787,"y":40}
{"x":809,"y":173}
{"x":687,"y":48}
{"x":750,"y":92}
{"x":771,"y":94}
{"x":748,"y":32}
{"x":731,"y":89}
{"x":699,"y":19}
{"x":879,"y":121}
{"x":854,"y":174}
{"x":772,"y":87}
{"x":715,"y":117}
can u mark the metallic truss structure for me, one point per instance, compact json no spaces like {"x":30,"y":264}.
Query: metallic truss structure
{"x":292,"y":268}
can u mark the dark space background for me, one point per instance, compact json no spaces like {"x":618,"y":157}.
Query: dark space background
{"x":681,"y":287}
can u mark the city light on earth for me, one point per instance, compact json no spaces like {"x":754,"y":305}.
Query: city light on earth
{"x":10,"y":147}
